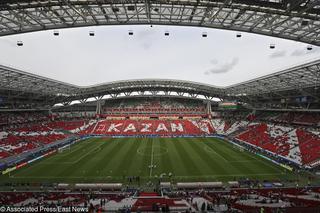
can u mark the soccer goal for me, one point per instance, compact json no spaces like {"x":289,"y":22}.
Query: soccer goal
{"x":64,"y":148}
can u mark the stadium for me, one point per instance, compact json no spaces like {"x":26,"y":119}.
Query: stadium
{"x":159,"y":141}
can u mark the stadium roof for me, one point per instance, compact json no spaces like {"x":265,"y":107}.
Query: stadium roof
{"x":290,"y":19}
{"x":20,"y":89}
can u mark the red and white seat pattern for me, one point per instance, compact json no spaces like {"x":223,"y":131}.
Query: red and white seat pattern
{"x":228,"y":127}
{"x":16,"y":141}
{"x":52,"y":125}
{"x":309,"y":144}
{"x":296,"y":144}
{"x":15,"y":144}
{"x":268,"y":137}
{"x":153,"y":127}
{"x":4,"y":154}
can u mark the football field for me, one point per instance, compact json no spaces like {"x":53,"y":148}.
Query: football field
{"x":115,"y":159}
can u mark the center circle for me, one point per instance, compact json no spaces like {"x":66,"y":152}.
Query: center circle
{"x":157,"y":151}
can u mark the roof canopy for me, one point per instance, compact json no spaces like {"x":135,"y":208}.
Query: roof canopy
{"x":22,"y":88}
{"x":290,"y":19}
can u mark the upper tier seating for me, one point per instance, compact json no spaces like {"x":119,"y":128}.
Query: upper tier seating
{"x":154,"y":106}
{"x":7,"y":119}
{"x":70,"y":125}
{"x":299,"y":118}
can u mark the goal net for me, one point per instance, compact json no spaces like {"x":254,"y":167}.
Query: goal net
{"x":63,"y":149}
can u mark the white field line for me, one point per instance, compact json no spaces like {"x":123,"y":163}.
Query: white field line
{"x":257,"y":158}
{"x":212,"y":150}
{"x":74,"y":149}
{"x":241,"y":161}
{"x":76,"y":161}
{"x":151,"y":161}
{"x":270,"y":165}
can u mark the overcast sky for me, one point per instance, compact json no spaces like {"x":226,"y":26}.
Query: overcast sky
{"x":221,"y":59}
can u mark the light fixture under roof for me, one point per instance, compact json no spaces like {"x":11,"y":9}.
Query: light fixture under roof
{"x":304,"y":22}
{"x":55,"y":32}
{"x":115,"y":9}
{"x":238,"y":35}
{"x":130,"y":32}
{"x":131,"y":8}
{"x":166,"y":33}
{"x":204,"y":34}
{"x":19,"y":43}
{"x":309,"y":47}
{"x":272,"y":46}
{"x":91,"y":33}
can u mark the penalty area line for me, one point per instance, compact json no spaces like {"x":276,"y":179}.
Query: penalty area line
{"x":209,"y":149}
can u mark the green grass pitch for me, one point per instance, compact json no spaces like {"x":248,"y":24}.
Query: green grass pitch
{"x":114,"y":159}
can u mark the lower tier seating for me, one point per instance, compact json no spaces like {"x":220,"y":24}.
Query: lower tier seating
{"x":30,"y":136}
{"x":296,"y":144}
{"x":153,"y":127}
{"x":309,"y":144}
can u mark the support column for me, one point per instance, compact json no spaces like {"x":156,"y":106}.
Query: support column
{"x":98,"y":108}
{"x":50,"y":115}
{"x":209,"y":112}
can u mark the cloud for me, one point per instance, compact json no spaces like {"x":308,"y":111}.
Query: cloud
{"x":214,"y":61}
{"x":8,"y":42}
{"x":298,"y":52}
{"x":145,"y":37}
{"x":146,"y":45}
{"x":278,"y":54}
{"x":145,"y":34}
{"x":223,"y":68}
